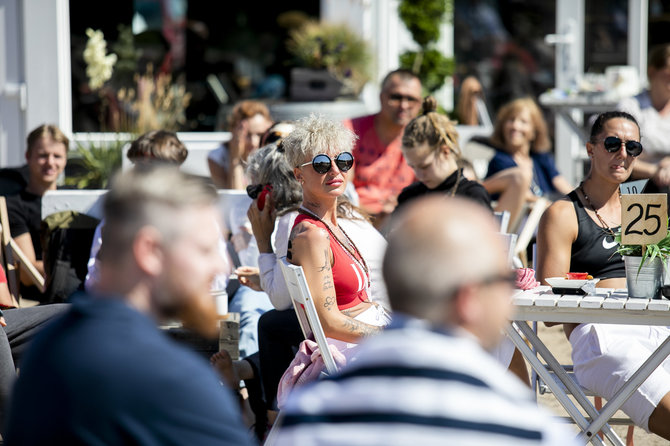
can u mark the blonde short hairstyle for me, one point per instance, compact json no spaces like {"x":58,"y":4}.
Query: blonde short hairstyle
{"x":46,"y":131}
{"x":149,"y":195}
{"x":316,"y":134}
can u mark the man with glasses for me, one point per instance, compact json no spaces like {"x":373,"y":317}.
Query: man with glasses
{"x":427,"y":379}
{"x":381,"y":171}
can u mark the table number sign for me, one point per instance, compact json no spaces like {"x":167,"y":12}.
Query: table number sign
{"x":633,"y":187}
{"x":644,"y":218}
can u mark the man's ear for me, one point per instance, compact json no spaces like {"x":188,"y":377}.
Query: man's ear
{"x":148,"y":251}
{"x":467,"y":307}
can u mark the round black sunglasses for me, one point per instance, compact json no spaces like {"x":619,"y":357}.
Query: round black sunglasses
{"x":322,"y":162}
{"x":613,"y":144}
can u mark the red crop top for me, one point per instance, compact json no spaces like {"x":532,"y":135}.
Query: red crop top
{"x":349,"y":278}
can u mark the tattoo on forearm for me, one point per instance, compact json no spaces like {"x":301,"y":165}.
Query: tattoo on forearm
{"x":329,"y":302}
{"x":359,"y":328}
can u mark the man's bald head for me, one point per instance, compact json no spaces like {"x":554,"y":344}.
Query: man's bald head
{"x":437,"y":245}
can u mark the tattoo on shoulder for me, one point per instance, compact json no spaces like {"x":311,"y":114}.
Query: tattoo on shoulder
{"x":326,"y":262}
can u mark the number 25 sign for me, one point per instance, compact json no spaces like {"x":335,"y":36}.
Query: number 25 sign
{"x":644,"y":218}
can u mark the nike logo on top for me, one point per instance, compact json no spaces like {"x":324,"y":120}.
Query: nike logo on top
{"x":608,"y":245}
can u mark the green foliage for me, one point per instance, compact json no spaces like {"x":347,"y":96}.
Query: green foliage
{"x":423,"y":18}
{"x":431,"y":67}
{"x":95,"y":164}
{"x":660,"y":249}
{"x":334,"y":47}
{"x":128,"y":57}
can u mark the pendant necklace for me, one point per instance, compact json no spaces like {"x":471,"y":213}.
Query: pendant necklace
{"x":357,"y":257}
{"x":588,"y":200}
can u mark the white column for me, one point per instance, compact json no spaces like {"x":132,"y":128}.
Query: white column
{"x":46,"y":36}
{"x":568,"y":149}
{"x":638,"y":20}
{"x":12,"y":88}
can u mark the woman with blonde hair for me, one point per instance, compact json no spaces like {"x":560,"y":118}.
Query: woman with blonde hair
{"x":249,"y":121}
{"x":337,"y":274}
{"x":430,"y":147}
{"x":523,"y":168}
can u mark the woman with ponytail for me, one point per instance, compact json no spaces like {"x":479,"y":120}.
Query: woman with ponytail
{"x":430,"y":147}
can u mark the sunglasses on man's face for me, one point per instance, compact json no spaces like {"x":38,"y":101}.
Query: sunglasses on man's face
{"x":613,"y":144}
{"x":395,"y":97}
{"x":322,"y":162}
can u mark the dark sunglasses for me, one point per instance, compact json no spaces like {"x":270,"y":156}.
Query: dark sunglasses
{"x":395,"y":97}
{"x":322,"y":162}
{"x":613,"y":144}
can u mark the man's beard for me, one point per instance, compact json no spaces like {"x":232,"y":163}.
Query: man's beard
{"x":196,"y":312}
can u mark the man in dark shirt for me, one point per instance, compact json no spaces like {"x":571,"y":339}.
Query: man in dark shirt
{"x":103,"y":373}
{"x":46,"y":156}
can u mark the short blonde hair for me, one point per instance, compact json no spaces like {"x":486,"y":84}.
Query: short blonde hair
{"x":46,"y":131}
{"x":316,"y":134}
{"x":149,"y":195}
{"x":541,"y":142}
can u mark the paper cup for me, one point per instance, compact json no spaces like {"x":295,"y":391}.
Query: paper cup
{"x":221,"y":301}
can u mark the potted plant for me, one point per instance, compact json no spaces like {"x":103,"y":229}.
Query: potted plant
{"x":331,"y":61}
{"x":423,"y":19}
{"x":645,"y":267}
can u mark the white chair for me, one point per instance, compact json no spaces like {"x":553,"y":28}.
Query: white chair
{"x":306,"y":311}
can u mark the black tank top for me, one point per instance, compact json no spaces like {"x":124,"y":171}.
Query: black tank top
{"x":594,"y":251}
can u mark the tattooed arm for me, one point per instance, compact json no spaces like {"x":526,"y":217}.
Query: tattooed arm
{"x":310,"y":248}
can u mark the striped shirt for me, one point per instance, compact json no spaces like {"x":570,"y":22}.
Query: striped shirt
{"x":414,"y":386}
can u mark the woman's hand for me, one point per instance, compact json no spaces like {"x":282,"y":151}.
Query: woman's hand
{"x":236,"y":145}
{"x":249,"y":276}
{"x":263,"y":223}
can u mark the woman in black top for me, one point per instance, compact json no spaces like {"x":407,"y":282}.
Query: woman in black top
{"x":576,"y":234}
{"x":430,"y":147}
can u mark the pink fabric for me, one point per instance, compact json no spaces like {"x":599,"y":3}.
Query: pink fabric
{"x":305,"y":367}
{"x":525,"y":279}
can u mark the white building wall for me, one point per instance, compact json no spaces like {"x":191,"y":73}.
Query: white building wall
{"x":35,"y":79}
{"x":12,"y":89}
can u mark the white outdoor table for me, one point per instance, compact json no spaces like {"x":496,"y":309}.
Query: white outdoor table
{"x":607,"y":306}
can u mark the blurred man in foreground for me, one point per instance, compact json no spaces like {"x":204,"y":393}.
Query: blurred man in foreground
{"x":103,"y":373}
{"x":427,"y":379}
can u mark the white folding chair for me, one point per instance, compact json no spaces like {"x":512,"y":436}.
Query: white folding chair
{"x":306,"y":311}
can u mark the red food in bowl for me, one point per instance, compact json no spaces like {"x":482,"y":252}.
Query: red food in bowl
{"x":578,"y":276}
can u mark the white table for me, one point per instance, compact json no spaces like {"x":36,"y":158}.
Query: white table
{"x":607,"y":306}
{"x":587,"y":103}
